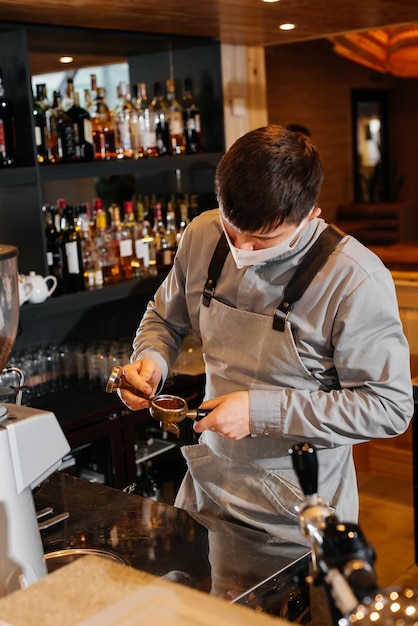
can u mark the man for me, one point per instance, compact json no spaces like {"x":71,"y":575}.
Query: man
{"x":332,"y":369}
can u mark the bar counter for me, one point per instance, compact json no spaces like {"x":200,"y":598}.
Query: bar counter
{"x":238,"y":564}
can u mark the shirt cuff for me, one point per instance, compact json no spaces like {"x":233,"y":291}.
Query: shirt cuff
{"x":265,"y":412}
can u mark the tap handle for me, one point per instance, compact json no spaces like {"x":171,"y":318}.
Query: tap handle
{"x":305,"y":464}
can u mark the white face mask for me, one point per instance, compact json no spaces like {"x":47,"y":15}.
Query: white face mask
{"x":246,"y":258}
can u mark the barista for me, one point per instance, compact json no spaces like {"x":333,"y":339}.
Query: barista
{"x":332,"y":369}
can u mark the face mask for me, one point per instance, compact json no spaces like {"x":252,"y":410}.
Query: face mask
{"x":246,"y":258}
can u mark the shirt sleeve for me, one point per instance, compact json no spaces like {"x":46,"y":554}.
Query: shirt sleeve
{"x":373,"y":398}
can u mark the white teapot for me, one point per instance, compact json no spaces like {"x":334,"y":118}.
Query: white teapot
{"x":25,"y":289}
{"x":42,"y":287}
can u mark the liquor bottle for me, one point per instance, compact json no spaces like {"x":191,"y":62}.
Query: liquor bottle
{"x":83,"y":130}
{"x":39,"y":120}
{"x":184,"y":216}
{"x":72,"y":253}
{"x":8,"y":153}
{"x":66,"y":136}
{"x":51,"y":128}
{"x":126,"y":240}
{"x":191,"y":119}
{"x":103,"y":129}
{"x":175,"y":120}
{"x":107,"y":249}
{"x":68,"y":98}
{"x":140,"y":261}
{"x":122,"y":117}
{"x":170,"y":240}
{"x":93,"y":87}
{"x":159,"y":111}
{"x":92,"y":269}
{"x":53,"y":237}
{"x":146,"y":123}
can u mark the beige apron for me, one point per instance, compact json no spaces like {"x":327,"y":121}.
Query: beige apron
{"x":252,"y":480}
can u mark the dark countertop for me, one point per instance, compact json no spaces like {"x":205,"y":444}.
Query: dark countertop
{"x":217,"y":557}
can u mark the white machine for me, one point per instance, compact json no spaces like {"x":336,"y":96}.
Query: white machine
{"x":32,"y":446}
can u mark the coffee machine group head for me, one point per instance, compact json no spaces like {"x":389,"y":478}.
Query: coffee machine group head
{"x":32,"y":446}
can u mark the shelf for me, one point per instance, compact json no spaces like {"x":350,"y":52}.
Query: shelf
{"x":18,"y":176}
{"x":128,"y":166}
{"x":83,"y":299}
{"x":151,"y":448}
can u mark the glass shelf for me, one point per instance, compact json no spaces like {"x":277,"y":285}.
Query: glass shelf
{"x":151,"y":448}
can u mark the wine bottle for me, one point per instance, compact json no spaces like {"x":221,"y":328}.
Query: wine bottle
{"x":8,"y":152}
{"x":122,"y":116}
{"x":83,"y":130}
{"x":72,"y":253}
{"x":146,"y":122}
{"x":103,"y":129}
{"x":159,"y":111}
{"x":191,"y":119}
{"x":54,"y":250}
{"x":39,"y":120}
{"x":175,"y":120}
{"x":126,"y":241}
{"x":66,"y":136}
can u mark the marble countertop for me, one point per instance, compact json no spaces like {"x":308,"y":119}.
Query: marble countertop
{"x":95,"y":592}
{"x":232,"y":562}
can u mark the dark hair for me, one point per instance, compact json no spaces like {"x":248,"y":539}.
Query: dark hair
{"x":268,"y":176}
{"x":298,"y":128}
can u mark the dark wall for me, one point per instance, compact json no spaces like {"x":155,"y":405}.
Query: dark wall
{"x":308,"y":83}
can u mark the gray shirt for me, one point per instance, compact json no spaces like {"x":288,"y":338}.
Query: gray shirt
{"x":346,"y":328}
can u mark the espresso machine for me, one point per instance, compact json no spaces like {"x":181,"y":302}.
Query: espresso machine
{"x":32,"y":446}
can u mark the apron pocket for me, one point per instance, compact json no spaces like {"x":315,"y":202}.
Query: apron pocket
{"x":284,"y":494}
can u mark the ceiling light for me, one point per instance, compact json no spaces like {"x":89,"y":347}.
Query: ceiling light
{"x":270,"y":0}
{"x":287,"y":26}
{"x":66,"y":59}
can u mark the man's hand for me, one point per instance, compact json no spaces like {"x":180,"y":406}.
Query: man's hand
{"x":145,"y":376}
{"x":230,"y":415}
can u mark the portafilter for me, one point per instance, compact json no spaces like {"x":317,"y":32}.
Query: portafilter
{"x":167,"y":409}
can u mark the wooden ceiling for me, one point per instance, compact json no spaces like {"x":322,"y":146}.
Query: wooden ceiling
{"x":246,"y":22}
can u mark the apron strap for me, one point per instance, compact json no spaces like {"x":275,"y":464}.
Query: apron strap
{"x":215,"y":269}
{"x":312,"y":262}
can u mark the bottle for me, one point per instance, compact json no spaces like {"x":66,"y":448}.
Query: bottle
{"x":191,"y":119}
{"x":105,"y":245}
{"x":66,"y":135}
{"x":53,"y":238}
{"x":184,"y":217}
{"x":8,"y":151}
{"x":51,"y":128}
{"x":39,"y":120}
{"x":170,"y":241}
{"x":140,"y":261}
{"x":125,"y":237}
{"x":103,"y":129}
{"x":146,"y":124}
{"x":72,"y":253}
{"x":122,"y":118}
{"x":159,"y":111}
{"x":68,"y":98}
{"x":83,"y":130}
{"x":175,"y":120}
{"x":92,"y":269}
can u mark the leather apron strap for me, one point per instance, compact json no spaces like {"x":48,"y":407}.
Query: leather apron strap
{"x":311,"y":263}
{"x":215,"y":268}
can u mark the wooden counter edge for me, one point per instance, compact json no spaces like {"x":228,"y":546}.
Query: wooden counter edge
{"x":93,"y":591}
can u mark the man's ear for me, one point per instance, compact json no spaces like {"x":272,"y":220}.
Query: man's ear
{"x":316,"y":212}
